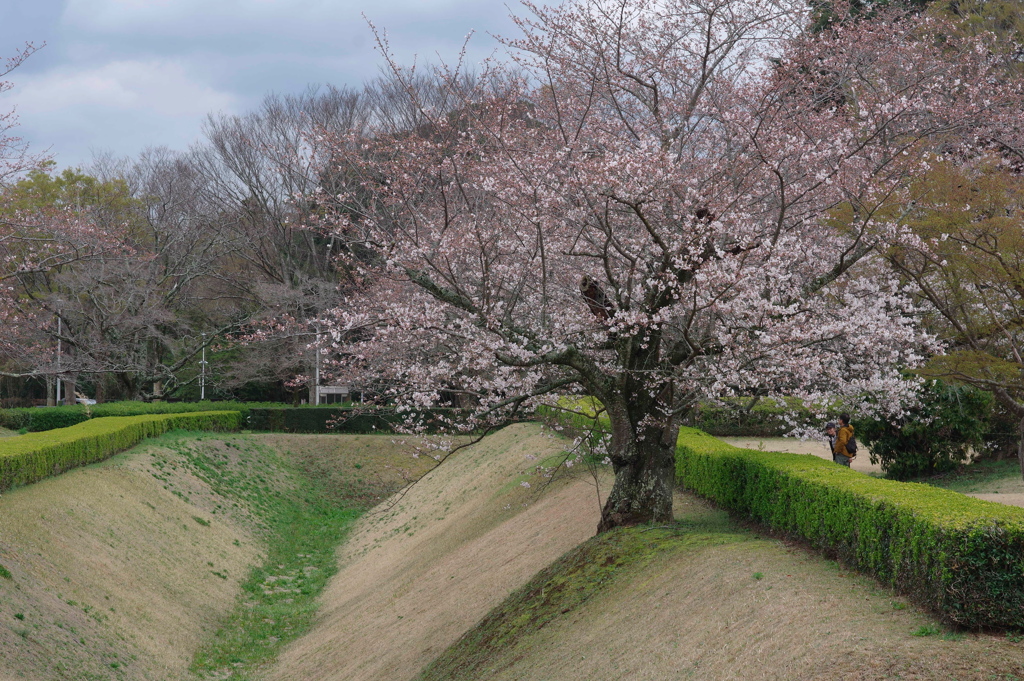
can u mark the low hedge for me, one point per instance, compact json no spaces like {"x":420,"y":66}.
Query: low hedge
{"x":34,"y":456}
{"x":959,"y":556}
{"x":727,"y":417}
{"x":41,"y":418}
{"x":341,"y":420}
{"x":47,"y":418}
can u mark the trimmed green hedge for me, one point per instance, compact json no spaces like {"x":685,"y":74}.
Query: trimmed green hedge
{"x":727,"y":417}
{"x":47,"y":418}
{"x":959,"y":556}
{"x":34,"y":456}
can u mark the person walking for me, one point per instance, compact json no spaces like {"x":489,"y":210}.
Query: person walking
{"x":840,"y":453}
{"x":830,"y":433}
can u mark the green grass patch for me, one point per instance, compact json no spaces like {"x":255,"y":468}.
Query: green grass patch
{"x":976,"y":477}
{"x":300,"y":513}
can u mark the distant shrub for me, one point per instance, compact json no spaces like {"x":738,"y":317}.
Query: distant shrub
{"x":35,"y":456}
{"x":1002,"y":436}
{"x":731,"y":416}
{"x":937,"y":436}
{"x":268,"y":416}
{"x":50,"y":418}
{"x":14,"y":419}
{"x":959,"y":556}
{"x":736,"y":417}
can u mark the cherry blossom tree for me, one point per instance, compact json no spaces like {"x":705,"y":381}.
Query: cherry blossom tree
{"x":116,"y":270}
{"x":35,"y":240}
{"x":14,"y":156}
{"x":651,"y":203}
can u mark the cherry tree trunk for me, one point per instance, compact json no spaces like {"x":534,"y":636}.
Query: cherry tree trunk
{"x":1020,"y":449}
{"x":644,"y":480}
{"x":70,"y":388}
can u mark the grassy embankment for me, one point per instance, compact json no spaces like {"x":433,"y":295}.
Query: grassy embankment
{"x":503,"y":637}
{"x":705,"y":597}
{"x":123,"y":569}
{"x":417,"y":575}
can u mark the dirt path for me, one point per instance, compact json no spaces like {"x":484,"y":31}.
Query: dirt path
{"x":1013,"y":499}
{"x":415,"y":578}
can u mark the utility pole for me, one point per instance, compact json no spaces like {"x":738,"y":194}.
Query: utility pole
{"x":202,"y":373}
{"x":316,"y":378}
{"x":60,"y":330}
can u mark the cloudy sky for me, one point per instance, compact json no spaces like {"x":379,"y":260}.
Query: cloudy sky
{"x":120,"y":75}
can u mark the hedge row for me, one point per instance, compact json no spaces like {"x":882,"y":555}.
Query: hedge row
{"x":959,"y":556}
{"x":48,"y":418}
{"x":341,"y":420}
{"x":727,"y":417}
{"x":34,"y":456}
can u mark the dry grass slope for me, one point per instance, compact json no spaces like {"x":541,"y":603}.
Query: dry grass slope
{"x":415,"y":577}
{"x":707,"y":599}
{"x":112,"y":574}
{"x":122,"y":570}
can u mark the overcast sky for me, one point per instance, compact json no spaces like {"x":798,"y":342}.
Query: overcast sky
{"x":121,"y":75}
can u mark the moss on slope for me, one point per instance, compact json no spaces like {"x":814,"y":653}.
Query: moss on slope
{"x":566,"y":584}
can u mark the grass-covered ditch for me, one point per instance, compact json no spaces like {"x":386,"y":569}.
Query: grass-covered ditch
{"x":301,"y":495}
{"x":686,"y":588}
{"x":208,"y":547}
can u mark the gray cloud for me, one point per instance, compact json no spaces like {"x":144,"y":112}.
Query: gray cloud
{"x":120,"y":75}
